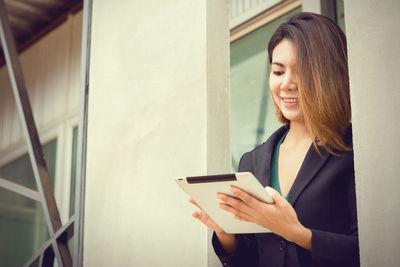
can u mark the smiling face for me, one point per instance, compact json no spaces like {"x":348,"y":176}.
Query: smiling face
{"x":283,"y":80}
{"x":313,"y":47}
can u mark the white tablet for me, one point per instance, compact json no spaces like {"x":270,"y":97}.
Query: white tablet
{"x":203,"y":190}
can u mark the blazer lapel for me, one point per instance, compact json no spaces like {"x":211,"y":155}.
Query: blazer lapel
{"x":262,"y":157}
{"x":310,"y":167}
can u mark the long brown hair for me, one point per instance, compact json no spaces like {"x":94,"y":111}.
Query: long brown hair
{"x":323,"y":79}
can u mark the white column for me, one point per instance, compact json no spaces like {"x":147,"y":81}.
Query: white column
{"x":158,"y":109}
{"x":373,"y":42}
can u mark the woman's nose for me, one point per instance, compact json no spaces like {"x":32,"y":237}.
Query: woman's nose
{"x":288,"y":83}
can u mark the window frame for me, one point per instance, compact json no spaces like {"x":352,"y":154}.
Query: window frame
{"x":263,"y":18}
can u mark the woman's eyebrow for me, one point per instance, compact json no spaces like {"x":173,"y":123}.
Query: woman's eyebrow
{"x":278,"y":63}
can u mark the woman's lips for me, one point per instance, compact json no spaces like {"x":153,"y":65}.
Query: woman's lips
{"x":290,"y":101}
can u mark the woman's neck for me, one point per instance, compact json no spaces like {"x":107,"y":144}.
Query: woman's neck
{"x":298,"y":134}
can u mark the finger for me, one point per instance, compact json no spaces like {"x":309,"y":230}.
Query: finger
{"x":241,"y":218}
{"x":236,"y":203}
{"x":196,"y":214}
{"x":244,"y":196}
{"x":194,"y":203}
{"x":232,"y":210}
{"x":201,"y":216}
{"x":276,"y":197}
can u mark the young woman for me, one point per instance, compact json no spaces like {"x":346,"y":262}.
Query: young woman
{"x":308,"y":162}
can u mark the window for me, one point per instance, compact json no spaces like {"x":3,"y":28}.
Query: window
{"x":340,"y":15}
{"x":23,"y":228}
{"x":252,"y":111}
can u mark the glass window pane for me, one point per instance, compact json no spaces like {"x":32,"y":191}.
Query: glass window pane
{"x":340,"y":15}
{"x":23,"y":228}
{"x":20,"y":170}
{"x":252,"y":110}
{"x":73,"y":182}
{"x":73,"y":172}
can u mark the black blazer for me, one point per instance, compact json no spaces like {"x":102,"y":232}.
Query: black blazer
{"x":323,"y":195}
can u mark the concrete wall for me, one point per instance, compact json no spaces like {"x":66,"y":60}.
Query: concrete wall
{"x":373,"y":33}
{"x":158,"y":109}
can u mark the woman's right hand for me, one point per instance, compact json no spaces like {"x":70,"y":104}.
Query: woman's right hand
{"x":228,"y":241}
{"x":205,"y":219}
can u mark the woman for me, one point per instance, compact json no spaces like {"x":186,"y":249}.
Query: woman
{"x":308,"y":161}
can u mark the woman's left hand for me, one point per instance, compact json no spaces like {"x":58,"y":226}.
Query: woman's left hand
{"x":279,"y":216}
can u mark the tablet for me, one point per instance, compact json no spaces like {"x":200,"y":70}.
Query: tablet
{"x":203,"y":190}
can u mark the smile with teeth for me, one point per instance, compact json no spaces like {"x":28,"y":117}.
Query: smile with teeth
{"x":290,"y":100}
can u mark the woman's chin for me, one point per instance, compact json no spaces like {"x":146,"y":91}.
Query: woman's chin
{"x":291,"y":116}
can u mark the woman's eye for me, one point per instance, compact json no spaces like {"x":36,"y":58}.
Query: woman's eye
{"x":277,"y":73}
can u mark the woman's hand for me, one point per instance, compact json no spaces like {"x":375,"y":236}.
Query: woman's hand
{"x":279,"y":217}
{"x":228,"y":241}
{"x":205,"y":219}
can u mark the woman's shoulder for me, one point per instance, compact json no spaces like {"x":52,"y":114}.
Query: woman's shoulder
{"x":263,"y":152}
{"x":270,"y":143}
{"x":348,"y":140}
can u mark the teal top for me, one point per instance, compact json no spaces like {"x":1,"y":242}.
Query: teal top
{"x":274,"y":167}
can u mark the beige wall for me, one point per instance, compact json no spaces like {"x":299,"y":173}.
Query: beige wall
{"x":158,"y":109}
{"x":373,"y":42}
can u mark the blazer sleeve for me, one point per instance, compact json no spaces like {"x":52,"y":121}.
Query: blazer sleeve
{"x":339,"y":247}
{"x":246,"y":252}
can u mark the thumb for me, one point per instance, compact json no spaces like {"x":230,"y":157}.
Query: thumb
{"x":276,"y":197}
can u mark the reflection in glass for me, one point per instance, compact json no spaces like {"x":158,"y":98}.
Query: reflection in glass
{"x":252,"y":109}
{"x":23,"y":228}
